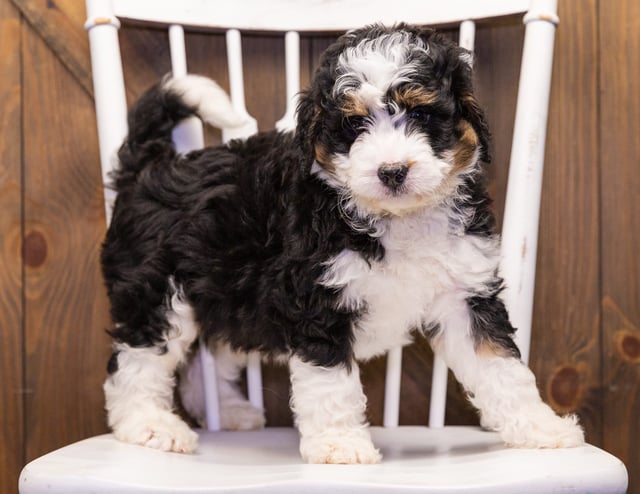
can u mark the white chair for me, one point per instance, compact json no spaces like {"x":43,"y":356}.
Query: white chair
{"x":416,"y":459}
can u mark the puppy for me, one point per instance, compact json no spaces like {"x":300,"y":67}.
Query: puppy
{"x":323,"y":246}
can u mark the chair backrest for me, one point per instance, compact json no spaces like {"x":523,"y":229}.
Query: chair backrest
{"x":290,"y":17}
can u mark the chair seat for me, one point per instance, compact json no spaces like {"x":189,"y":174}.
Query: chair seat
{"x":416,"y":459}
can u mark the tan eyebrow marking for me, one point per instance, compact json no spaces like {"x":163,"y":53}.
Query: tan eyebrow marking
{"x":353,"y":105}
{"x":413,"y":96}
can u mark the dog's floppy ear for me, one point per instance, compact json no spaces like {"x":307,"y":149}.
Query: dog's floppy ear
{"x":313,"y":103}
{"x":467,"y":104}
{"x":307,"y":127}
{"x":455,"y":65}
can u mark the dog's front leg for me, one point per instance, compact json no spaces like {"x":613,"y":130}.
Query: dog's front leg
{"x":484,"y":359}
{"x":329,"y":407}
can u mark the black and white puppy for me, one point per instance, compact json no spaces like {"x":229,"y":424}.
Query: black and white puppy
{"x":324,"y":246}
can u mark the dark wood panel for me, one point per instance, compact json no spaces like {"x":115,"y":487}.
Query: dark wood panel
{"x":11,"y":350}
{"x":206,"y":56}
{"x":60,"y":24}
{"x":497,"y":65}
{"x":145,"y":58}
{"x":620,"y":217}
{"x":65,"y":303}
{"x":565,"y":354}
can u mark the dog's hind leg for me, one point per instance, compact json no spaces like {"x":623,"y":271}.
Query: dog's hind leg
{"x":478,"y":348}
{"x":140,"y":386}
{"x":236,"y":412}
{"x":329,"y":407}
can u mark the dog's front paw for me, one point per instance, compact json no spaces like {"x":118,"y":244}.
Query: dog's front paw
{"x":159,"y":430}
{"x":544,"y":430}
{"x":342,"y":449}
{"x":241,"y":416}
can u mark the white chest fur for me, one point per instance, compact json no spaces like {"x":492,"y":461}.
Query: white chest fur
{"x":427,"y":268}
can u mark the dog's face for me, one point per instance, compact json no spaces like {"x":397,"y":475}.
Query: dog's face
{"x":391,"y":120}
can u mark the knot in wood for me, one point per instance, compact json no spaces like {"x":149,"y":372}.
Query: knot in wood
{"x":34,"y":249}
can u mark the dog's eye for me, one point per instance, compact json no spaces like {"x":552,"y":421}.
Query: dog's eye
{"x":356,"y":122}
{"x":420,"y":114}
{"x":354,"y":125}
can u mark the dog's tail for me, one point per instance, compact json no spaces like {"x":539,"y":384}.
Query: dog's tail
{"x":158,"y":111}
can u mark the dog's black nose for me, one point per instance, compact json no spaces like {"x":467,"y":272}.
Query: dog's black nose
{"x":393,"y":175}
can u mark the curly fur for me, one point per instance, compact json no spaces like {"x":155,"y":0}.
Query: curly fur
{"x":325,"y":246}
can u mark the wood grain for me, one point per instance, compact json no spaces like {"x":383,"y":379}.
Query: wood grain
{"x":497,"y":68}
{"x":565,"y":354}
{"x":620,"y":224}
{"x":11,"y":336}
{"x":60,"y":24}
{"x":65,"y":303}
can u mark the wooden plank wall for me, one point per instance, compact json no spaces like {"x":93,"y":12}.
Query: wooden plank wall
{"x":12,"y":387}
{"x":65,"y":307}
{"x":567,"y":303}
{"x":586,"y":347}
{"x":619,"y":113}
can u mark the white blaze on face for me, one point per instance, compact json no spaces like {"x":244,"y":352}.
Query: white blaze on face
{"x":367,"y":72}
{"x":386,"y":142}
{"x":375,"y":65}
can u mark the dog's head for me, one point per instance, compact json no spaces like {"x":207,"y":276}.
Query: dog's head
{"x":391,"y":120}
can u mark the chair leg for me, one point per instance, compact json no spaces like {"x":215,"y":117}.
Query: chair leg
{"x":329,"y":407}
{"x":236,"y":412}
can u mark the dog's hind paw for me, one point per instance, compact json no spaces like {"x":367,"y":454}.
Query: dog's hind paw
{"x":340,"y":449}
{"x":161,"y":430}
{"x":241,"y":416}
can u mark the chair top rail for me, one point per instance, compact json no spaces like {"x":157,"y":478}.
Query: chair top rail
{"x":311,"y":15}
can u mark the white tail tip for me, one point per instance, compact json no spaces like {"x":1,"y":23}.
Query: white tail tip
{"x":211,"y":102}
